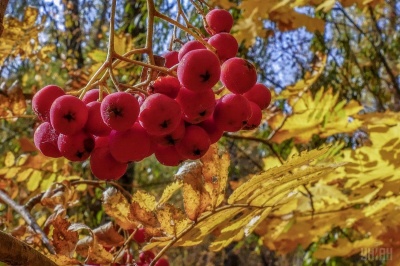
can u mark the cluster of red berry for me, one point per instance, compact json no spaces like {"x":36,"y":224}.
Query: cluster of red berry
{"x":179,"y":120}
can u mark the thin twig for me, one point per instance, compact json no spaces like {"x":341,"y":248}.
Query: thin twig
{"x":26,"y":215}
{"x":36,"y":199}
{"x":311,"y":197}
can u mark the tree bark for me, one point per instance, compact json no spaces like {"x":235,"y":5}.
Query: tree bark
{"x":3,"y":7}
{"x":15,"y":252}
{"x":74,"y":36}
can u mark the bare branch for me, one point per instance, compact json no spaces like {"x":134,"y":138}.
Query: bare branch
{"x":26,"y":215}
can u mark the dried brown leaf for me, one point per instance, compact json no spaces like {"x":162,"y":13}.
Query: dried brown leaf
{"x":64,"y":240}
{"x":143,"y":209}
{"x":108,"y":236}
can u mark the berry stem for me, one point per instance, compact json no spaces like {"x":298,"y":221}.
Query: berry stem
{"x":188,"y":24}
{"x":185,"y":29}
{"x":140,"y":63}
{"x":124,"y":246}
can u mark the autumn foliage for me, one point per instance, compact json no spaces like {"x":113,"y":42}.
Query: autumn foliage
{"x":327,"y":179}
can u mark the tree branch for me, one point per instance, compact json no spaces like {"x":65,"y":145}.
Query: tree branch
{"x":16,"y":252}
{"x":376,"y":48}
{"x":28,"y":219}
{"x":3,"y":7}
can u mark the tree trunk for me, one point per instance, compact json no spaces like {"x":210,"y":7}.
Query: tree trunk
{"x":15,"y":252}
{"x":3,"y":7}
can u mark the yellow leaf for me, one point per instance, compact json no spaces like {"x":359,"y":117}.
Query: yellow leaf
{"x":215,"y":173}
{"x":12,"y":172}
{"x":23,"y":175}
{"x":48,"y":181}
{"x":326,"y":5}
{"x":225,"y":4}
{"x":169,"y":191}
{"x":345,"y":248}
{"x":22,"y":159}
{"x":379,"y":205}
{"x":122,"y":43}
{"x":34,"y":180}
{"x":22,"y":34}
{"x":44,"y":53}
{"x":324,"y":198}
{"x":62,"y":259}
{"x":195,"y":198}
{"x":248,"y":29}
{"x":30,"y":16}
{"x":145,"y":200}
{"x":172,"y":220}
{"x":98,"y":55}
{"x":98,"y":254}
{"x":208,"y":224}
{"x":314,"y":116}
{"x":10,"y":159}
{"x":143,"y":208}
{"x":234,"y":228}
{"x":116,"y":205}
{"x":274,"y":175}
{"x":273,"y":193}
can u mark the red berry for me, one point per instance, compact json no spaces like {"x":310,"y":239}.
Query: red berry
{"x":146,"y":256}
{"x":45,"y":139}
{"x":171,"y":58}
{"x":68,"y":114}
{"x":152,"y":148}
{"x":139,"y":263}
{"x":92,"y":96}
{"x":128,"y":257}
{"x":232,"y":112}
{"x":225,"y":44}
{"x":238,"y":75}
{"x":119,"y":110}
{"x":130,"y":145}
{"x":140,"y":98}
{"x":104,"y":166}
{"x":214,"y":132}
{"x":168,"y":155}
{"x":199,"y":70}
{"x":95,"y":124}
{"x":76,"y":147}
{"x":159,"y":114}
{"x":194,"y":144}
{"x":219,"y":20}
{"x":101,"y":141}
{"x":43,"y":99}
{"x":167,"y":85}
{"x":162,"y":262}
{"x":255,"y":118}
{"x":140,"y":236}
{"x":196,"y":106}
{"x":260,"y":95}
{"x":190,"y":46}
{"x":171,"y":138}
